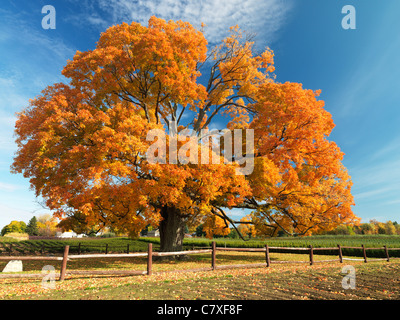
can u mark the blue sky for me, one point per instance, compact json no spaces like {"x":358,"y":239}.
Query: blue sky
{"x":357,"y":71}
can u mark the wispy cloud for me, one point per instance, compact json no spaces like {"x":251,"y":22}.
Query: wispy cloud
{"x":7,"y":123}
{"x":237,"y":214}
{"x":9,"y":187}
{"x":87,"y":19}
{"x":377,"y":179}
{"x":22,"y":211}
{"x":374,"y":74}
{"x":389,"y":150}
{"x":393,"y":202}
{"x":8,"y":214}
{"x":366,"y":105}
{"x":32,"y":59}
{"x":380,"y":173}
{"x":262,"y":17}
{"x":373,"y":195}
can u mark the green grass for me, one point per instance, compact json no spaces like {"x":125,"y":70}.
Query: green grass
{"x":120,"y":244}
{"x":374,"y":281}
{"x":378,"y":280}
{"x":88,"y":245}
{"x":7,"y":240}
{"x":369,"y":241}
{"x":316,"y":241}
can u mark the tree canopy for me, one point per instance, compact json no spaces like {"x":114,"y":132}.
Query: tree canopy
{"x":14,"y":226}
{"x":84,"y":144}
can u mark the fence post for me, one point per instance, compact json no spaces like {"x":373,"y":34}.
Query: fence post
{"x":106,"y":248}
{"x":149,"y":258}
{"x":213,"y":256}
{"x":267,"y":259}
{"x":340,"y":253}
{"x":127,"y":248}
{"x":311,"y":255}
{"x":364,"y":253}
{"x":79,"y":248}
{"x":10,"y":253}
{"x":64,"y":263}
{"x":387,"y":253}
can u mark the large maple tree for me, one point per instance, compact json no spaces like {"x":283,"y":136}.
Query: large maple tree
{"x":84,"y":144}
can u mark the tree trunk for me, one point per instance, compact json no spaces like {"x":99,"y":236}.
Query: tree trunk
{"x":172,"y":228}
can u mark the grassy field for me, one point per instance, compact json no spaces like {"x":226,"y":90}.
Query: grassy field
{"x":316,"y":241}
{"x":375,"y":279}
{"x":369,"y":241}
{"x":88,"y":245}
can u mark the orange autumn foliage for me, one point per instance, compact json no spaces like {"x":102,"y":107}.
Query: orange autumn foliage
{"x":83,"y":144}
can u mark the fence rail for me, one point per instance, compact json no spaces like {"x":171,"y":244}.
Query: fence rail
{"x":113,"y":255}
{"x":213,"y":250}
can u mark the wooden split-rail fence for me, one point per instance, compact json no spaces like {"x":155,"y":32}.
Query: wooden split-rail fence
{"x":150,"y":254}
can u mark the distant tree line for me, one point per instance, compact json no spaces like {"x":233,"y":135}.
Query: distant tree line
{"x":44,"y":225}
{"x":371,"y":227}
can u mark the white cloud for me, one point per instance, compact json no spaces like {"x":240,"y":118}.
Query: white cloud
{"x":96,"y":20}
{"x":262,"y":17}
